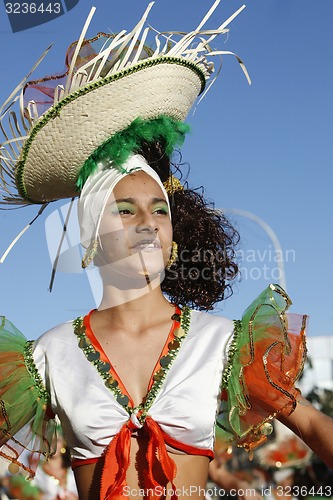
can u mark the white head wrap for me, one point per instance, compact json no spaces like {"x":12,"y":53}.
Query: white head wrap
{"x":95,"y":194}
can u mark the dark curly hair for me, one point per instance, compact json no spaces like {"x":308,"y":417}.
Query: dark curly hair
{"x":206,"y":264}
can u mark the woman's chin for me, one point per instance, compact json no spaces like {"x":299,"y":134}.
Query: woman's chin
{"x":151,"y":272}
{"x":148,"y":262}
{"x":127,"y":276}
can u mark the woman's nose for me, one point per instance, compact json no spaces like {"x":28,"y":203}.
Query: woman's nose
{"x":147,"y":223}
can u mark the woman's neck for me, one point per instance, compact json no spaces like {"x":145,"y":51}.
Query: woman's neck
{"x":143,"y":307}
{"x":122,"y":290}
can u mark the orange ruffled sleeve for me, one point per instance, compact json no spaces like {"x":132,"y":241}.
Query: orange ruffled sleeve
{"x":26,"y":422}
{"x":265,"y":359}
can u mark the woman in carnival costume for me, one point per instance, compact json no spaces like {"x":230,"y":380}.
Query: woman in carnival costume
{"x":140,"y":383}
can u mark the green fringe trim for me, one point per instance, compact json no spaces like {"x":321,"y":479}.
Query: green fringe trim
{"x":119,"y":147}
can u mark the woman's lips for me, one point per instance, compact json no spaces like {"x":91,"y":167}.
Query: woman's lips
{"x":147,"y":245}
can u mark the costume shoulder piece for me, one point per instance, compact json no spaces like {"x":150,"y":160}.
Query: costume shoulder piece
{"x":26,"y":423}
{"x":265,"y":359}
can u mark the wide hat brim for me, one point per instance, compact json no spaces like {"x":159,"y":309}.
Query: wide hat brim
{"x":56,"y":124}
{"x":67,"y":135}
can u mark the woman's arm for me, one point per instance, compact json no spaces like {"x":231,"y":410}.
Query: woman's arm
{"x":313,"y":427}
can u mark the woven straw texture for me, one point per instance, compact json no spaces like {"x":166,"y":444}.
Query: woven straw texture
{"x":57,"y":152}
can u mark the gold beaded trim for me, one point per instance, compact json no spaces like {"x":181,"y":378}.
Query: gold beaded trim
{"x":103,"y":368}
{"x":172,"y":184}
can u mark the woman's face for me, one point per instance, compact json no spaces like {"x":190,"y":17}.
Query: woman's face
{"x":136,"y":231}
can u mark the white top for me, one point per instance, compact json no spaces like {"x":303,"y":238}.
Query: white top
{"x":184,"y":408}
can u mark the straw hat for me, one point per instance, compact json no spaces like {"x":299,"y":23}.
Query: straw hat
{"x":110,"y":81}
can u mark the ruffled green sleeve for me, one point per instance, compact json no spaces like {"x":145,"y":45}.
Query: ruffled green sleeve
{"x":26,"y":422}
{"x":265,"y":359}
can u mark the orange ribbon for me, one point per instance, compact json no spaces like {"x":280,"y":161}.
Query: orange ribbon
{"x":117,"y":460}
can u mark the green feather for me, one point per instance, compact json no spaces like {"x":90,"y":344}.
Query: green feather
{"x":119,"y":147}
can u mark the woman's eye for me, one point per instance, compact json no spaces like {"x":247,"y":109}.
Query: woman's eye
{"x":161,"y":211}
{"x":124,"y":211}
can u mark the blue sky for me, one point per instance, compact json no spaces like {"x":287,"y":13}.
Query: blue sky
{"x":265,"y":149}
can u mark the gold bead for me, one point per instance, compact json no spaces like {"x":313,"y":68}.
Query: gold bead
{"x":158,"y":375}
{"x":13,"y":468}
{"x":266,"y":429}
{"x":174,"y":345}
{"x":179,"y":332}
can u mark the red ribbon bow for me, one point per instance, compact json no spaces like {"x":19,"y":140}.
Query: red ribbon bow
{"x":117,"y":460}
